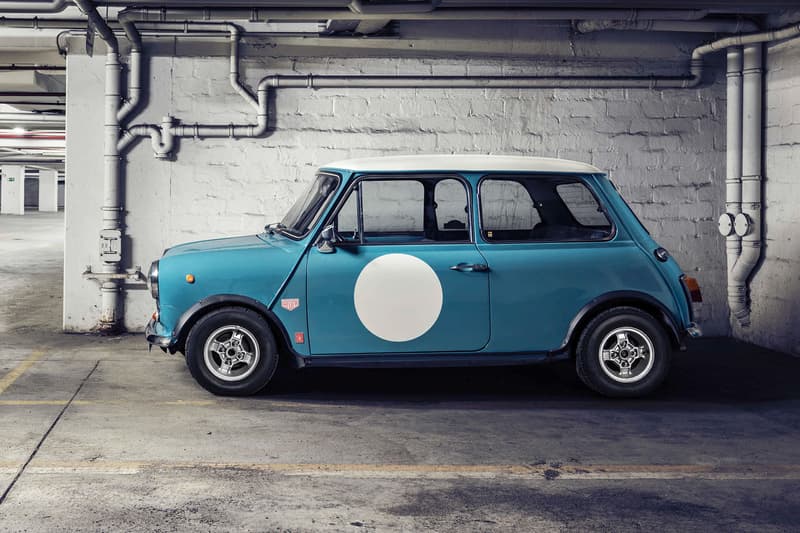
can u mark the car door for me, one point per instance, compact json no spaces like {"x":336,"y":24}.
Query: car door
{"x":406,"y":277}
{"x":552,"y":248}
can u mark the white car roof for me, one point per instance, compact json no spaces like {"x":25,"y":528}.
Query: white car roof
{"x":463,"y":162}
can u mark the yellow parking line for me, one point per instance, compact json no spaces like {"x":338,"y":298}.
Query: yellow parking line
{"x":169,"y":403}
{"x":27,"y":403}
{"x":20,"y":369}
{"x":433,"y":471}
{"x":24,"y":403}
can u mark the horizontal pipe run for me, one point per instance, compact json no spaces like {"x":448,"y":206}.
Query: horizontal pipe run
{"x":51,"y":6}
{"x":29,"y":94}
{"x":14,"y":68}
{"x":34,"y":136}
{"x":786,"y":32}
{"x":453,"y":14}
{"x":32,"y":103}
{"x":27,"y":160}
{"x":689,"y":26}
{"x":477,"y":82}
{"x":36,"y":23}
{"x":358,"y":6}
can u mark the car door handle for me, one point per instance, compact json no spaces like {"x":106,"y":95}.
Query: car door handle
{"x":469,"y":267}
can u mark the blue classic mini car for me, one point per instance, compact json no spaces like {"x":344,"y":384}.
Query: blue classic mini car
{"x":442,"y":260}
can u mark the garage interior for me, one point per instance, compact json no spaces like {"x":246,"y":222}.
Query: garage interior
{"x":129,"y":127}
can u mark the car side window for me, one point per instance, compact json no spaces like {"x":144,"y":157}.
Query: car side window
{"x":393,"y":207}
{"x":346,"y":221}
{"x":582,"y":204}
{"x":405,"y":210}
{"x":508,"y":212}
{"x":540,"y":208}
{"x":452,"y":210}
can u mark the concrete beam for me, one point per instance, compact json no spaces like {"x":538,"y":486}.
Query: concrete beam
{"x":12,"y":190}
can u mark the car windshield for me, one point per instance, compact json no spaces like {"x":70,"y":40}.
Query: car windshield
{"x":309,"y":205}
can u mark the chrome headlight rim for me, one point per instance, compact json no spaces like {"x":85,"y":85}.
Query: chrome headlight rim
{"x":152,"y":279}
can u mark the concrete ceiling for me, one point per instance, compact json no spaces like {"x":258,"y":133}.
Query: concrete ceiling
{"x":30,"y":63}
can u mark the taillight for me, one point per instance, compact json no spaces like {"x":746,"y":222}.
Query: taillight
{"x":693,"y":288}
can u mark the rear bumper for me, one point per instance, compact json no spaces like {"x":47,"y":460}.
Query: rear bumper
{"x":155,"y":335}
{"x":693,"y":330}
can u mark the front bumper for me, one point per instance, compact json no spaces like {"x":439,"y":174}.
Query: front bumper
{"x":156,"y":336}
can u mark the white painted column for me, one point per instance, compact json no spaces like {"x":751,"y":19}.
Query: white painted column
{"x":48,"y":190}
{"x":12,"y":196}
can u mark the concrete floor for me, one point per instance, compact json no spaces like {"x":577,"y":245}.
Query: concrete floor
{"x":100,"y":434}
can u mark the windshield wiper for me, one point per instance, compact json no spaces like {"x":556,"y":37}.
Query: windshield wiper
{"x":271,"y":227}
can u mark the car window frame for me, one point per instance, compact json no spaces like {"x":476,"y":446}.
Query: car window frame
{"x":319,"y":215}
{"x":416,"y":176}
{"x":527,"y":175}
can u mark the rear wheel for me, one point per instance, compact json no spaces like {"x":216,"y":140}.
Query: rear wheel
{"x":232,"y":352}
{"x":623,"y":352}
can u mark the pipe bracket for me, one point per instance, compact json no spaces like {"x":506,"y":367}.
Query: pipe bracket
{"x":133,"y":275}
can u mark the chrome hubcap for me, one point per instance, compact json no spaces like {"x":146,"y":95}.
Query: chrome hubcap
{"x":626,"y":355}
{"x":231,"y":353}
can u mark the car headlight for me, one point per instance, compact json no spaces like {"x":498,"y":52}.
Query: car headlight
{"x":152,"y":278}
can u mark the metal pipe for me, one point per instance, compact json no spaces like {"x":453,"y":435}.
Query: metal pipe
{"x":748,"y":222}
{"x":36,"y":23}
{"x":99,"y":23}
{"x":51,"y":6}
{"x":112,"y":210}
{"x":111,"y":233}
{"x":162,"y":138}
{"x":32,"y":103}
{"x":14,"y":67}
{"x":129,"y":17}
{"x":305,"y":14}
{"x":698,"y":26}
{"x":134,"y":85}
{"x":135,"y":68}
{"x":787,"y":32}
{"x":478,"y":82}
{"x":733,"y":180}
{"x":743,"y":196}
{"x":28,"y":160}
{"x":357,"y":6}
{"x":30,"y":94}
{"x":32,"y":118}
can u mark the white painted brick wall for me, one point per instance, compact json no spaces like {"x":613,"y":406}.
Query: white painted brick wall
{"x":664,"y":149}
{"x":775,"y":286}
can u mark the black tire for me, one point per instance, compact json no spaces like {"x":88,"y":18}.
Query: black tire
{"x":644,"y":375}
{"x":255,"y":338}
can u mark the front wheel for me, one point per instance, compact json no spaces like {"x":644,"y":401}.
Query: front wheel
{"x":232,"y":352}
{"x":623,"y":352}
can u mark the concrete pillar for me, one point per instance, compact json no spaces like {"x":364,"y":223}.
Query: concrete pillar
{"x":48,"y":190}
{"x":12,"y":196}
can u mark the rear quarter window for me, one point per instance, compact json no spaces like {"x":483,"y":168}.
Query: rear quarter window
{"x":540,"y":209}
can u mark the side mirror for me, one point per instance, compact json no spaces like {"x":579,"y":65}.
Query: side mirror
{"x":329,"y":234}
{"x":328,"y":240}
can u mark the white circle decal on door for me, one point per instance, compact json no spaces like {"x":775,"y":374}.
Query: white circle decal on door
{"x":398,"y":297}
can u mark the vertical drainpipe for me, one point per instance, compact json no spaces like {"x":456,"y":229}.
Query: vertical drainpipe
{"x":748,"y":223}
{"x":733,"y":180}
{"x":111,"y":234}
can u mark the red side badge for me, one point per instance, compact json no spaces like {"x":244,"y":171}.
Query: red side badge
{"x":290,"y":304}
